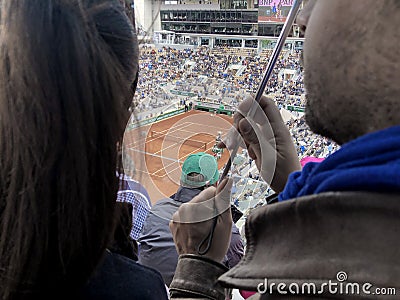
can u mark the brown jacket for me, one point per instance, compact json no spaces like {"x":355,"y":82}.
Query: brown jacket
{"x":312,"y":239}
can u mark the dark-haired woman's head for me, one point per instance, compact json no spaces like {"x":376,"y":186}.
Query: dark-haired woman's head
{"x":66,"y":68}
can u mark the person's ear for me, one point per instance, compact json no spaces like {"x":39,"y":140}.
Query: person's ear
{"x":304,"y":15}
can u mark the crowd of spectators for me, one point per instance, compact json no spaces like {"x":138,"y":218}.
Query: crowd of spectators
{"x":220,"y":74}
{"x":228,"y":75}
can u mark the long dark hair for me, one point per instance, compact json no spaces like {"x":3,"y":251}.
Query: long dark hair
{"x":65,"y":72}
{"x":122,"y":243}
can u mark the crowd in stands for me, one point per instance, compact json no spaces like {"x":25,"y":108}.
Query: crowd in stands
{"x":220,"y":73}
{"x":227,"y":75}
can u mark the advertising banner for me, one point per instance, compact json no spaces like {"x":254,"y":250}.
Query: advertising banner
{"x":273,"y":11}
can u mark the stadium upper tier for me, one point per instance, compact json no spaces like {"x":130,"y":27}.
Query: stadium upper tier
{"x":264,"y":18}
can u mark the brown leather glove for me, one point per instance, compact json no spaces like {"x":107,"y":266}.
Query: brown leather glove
{"x":268,"y":141}
{"x":193,"y":221}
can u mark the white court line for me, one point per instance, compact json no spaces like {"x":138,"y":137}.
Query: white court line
{"x":203,"y":125}
{"x":171,"y":131}
{"x":178,"y":143}
{"x":155,"y":155}
{"x":153,"y":139}
{"x":176,"y":129}
{"x":193,"y":123}
{"x":205,"y":133}
{"x":146,"y":172}
{"x":180,"y":129}
{"x":193,"y":133}
{"x":166,"y":158}
{"x":175,"y":144}
{"x":196,"y":133}
{"x":183,"y":156}
{"x":180,"y":160}
{"x":137,"y":141}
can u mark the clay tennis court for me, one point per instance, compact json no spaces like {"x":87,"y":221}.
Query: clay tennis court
{"x":158,"y":150}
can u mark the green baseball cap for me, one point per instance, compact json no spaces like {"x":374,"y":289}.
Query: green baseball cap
{"x":203,"y":164}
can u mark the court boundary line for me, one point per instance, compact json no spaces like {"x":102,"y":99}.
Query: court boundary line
{"x":180,"y":159}
{"x":146,"y":140}
{"x":154,"y":174}
{"x":180,"y":127}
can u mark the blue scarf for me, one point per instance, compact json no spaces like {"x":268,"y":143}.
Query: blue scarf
{"x":369,"y":163}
